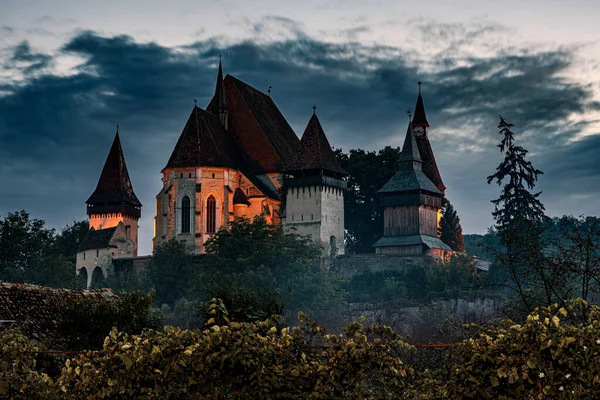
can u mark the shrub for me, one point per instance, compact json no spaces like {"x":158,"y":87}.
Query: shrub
{"x":554,"y":354}
{"x":19,"y":378}
{"x":242,"y":360}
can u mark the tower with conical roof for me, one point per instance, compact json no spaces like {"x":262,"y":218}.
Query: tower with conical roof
{"x":114,"y":200}
{"x":314,"y":191}
{"x":411,"y":203}
{"x":420,"y":130}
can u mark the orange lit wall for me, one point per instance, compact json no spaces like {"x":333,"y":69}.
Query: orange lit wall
{"x":103,"y":221}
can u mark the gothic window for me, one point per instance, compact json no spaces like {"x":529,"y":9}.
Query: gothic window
{"x":211,"y":214}
{"x":190,"y":175}
{"x":97,"y":253}
{"x":185,"y":215}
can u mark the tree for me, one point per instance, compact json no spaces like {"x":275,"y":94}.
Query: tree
{"x":519,"y":216}
{"x":254,"y":255}
{"x":169,"y":272}
{"x":450,"y":229}
{"x":369,"y":171}
{"x":70,"y":237}
{"x":28,"y":253}
{"x":574,"y":247}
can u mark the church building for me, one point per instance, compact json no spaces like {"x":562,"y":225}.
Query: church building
{"x":239,"y":157}
{"x":413,"y":198}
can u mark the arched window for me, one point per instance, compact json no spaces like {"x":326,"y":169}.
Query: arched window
{"x":185,"y":214}
{"x":211,"y":215}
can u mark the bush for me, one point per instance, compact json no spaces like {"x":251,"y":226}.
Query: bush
{"x":554,"y":354}
{"x":242,"y":360}
{"x":19,"y":378}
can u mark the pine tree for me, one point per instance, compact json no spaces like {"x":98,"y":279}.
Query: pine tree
{"x":519,"y":216}
{"x":516,"y":205}
{"x":450,"y":229}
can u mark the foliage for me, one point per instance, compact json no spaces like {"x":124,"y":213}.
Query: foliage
{"x":19,"y":378}
{"x":369,"y":171}
{"x":450,"y":229}
{"x":243,"y":304}
{"x":520,"y":222}
{"x":282,"y":266}
{"x":29,"y":253}
{"x":170,"y":272}
{"x":84,"y":324}
{"x":70,"y":237}
{"x":515,"y":204}
{"x":415,"y":283}
{"x":553,"y":354}
{"x":243,"y":360}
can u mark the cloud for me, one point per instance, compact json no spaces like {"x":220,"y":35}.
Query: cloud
{"x":27,"y":61}
{"x":55,"y":130}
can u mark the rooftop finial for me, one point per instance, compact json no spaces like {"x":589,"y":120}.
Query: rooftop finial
{"x":409,"y":115}
{"x":419,"y":87}
{"x":269,"y":91}
{"x":195,"y":102}
{"x":314,"y":109}
{"x":117,"y":128}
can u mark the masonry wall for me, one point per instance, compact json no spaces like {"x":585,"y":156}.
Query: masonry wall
{"x":199,"y":184}
{"x":317,"y":211}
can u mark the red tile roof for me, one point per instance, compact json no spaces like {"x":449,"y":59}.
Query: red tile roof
{"x":315,"y":152}
{"x":258,"y":126}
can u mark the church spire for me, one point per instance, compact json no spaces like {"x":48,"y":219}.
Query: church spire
{"x":410,"y":157}
{"x":420,"y":118}
{"x":114,"y":190}
{"x":218,"y":104}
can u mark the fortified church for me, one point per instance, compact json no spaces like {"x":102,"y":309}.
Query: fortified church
{"x":240,"y":157}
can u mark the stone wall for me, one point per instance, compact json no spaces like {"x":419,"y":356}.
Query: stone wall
{"x":350,"y":265}
{"x":423,"y":322}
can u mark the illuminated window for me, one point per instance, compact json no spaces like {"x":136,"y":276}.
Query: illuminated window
{"x":211,"y":215}
{"x":185,"y":214}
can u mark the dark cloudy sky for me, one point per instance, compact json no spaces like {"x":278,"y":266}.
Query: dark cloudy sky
{"x":70,"y":71}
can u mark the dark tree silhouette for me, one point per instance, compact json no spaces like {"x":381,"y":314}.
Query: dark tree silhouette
{"x":450,"y":229}
{"x":520,"y":220}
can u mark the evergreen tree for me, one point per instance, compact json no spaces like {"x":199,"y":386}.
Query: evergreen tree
{"x":450,"y":229}
{"x":516,"y":205}
{"x":519,"y":216}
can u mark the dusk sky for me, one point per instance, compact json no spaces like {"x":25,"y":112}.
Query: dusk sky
{"x":70,"y":71}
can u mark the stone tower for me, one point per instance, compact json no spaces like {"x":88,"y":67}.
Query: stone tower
{"x":114,"y":201}
{"x":411,"y":203}
{"x":314,"y":191}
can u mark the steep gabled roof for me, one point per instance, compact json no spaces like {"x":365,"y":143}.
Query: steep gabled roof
{"x":409,"y":176}
{"x":114,"y":185}
{"x":314,"y":152}
{"x":420,"y":118}
{"x":410,"y":150}
{"x":239,"y":197}
{"x":97,"y":239}
{"x":408,"y":180}
{"x":218,"y":103}
{"x":429,"y":165}
{"x":258,"y":126}
{"x":203,"y":142}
